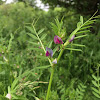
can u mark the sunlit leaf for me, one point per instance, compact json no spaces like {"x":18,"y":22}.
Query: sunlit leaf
{"x":43,"y":36}
{"x":55,"y":49}
{"x":78,"y":45}
{"x":95,"y":77}
{"x":86,"y":27}
{"x":32,"y":36}
{"x":79,"y":24}
{"x":98,"y":96}
{"x":33,"y":43}
{"x":40,"y":31}
{"x":94,"y":82}
{"x":74,"y":49}
{"x":15,"y":82}
{"x":30,"y":29}
{"x":50,"y":44}
{"x":95,"y":90}
{"x":81,"y":19}
{"x":81,"y":36}
{"x":83,"y":86}
{"x":86,"y":31}
{"x":43,"y":67}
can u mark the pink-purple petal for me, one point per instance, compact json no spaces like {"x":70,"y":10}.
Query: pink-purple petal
{"x":72,"y":38}
{"x":49,"y":52}
{"x":58,"y":40}
{"x":54,"y":61}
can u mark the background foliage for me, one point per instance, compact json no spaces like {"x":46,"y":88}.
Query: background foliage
{"x":77,"y":76}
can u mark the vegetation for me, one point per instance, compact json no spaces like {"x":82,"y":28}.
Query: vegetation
{"x":35,"y":43}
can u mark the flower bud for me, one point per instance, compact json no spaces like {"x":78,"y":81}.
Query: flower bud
{"x":8,"y":96}
{"x":54,"y":61}
{"x":49,"y":52}
{"x":72,"y":38}
{"x":58,"y":40}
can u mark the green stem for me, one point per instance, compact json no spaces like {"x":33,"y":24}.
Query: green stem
{"x":41,"y":43}
{"x":60,"y":55}
{"x":52,"y":72}
{"x":51,"y":77}
{"x":50,"y":82}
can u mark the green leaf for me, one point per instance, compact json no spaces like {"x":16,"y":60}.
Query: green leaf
{"x":78,"y":45}
{"x":95,"y":90}
{"x":80,"y":97}
{"x":43,"y":36}
{"x":43,"y":67}
{"x":25,"y":73}
{"x":55,"y":49}
{"x":86,"y":31}
{"x":95,"y":77}
{"x":96,"y":94}
{"x":54,"y":28}
{"x":95,"y":84}
{"x":81,"y":36}
{"x":30,"y":29}
{"x":3,"y":98}
{"x":60,"y":87}
{"x":85,"y":27}
{"x":81,"y":19}
{"x":14,"y":83}
{"x":8,"y":89}
{"x":78,"y":91}
{"x":97,"y":16}
{"x":18,"y":97}
{"x":32,"y":36}
{"x":37,"y":98}
{"x":1,"y":62}
{"x":40,"y":31}
{"x":36,"y":44}
{"x":74,"y":49}
{"x":82,"y":94}
{"x":88,"y":23}
{"x":2,"y":73}
{"x":62,"y":90}
{"x":50,"y":44}
{"x":83,"y":86}
{"x":81,"y":89}
{"x":79,"y":24}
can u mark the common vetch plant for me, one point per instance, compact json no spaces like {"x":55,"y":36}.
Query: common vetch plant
{"x":61,"y":41}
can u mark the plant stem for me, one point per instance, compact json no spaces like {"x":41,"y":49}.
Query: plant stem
{"x":50,"y":82}
{"x":51,"y":77}
{"x":53,"y":67}
{"x":60,"y":55}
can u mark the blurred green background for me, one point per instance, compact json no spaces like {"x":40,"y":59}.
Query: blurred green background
{"x":74,"y":67}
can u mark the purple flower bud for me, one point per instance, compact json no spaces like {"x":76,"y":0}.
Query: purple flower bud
{"x":55,"y":61}
{"x":49,"y":52}
{"x":72,"y":38}
{"x":58,"y":40}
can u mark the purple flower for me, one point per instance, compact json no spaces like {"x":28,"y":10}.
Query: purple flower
{"x":58,"y":40}
{"x":49,"y":52}
{"x":54,"y":61}
{"x":72,"y":38}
